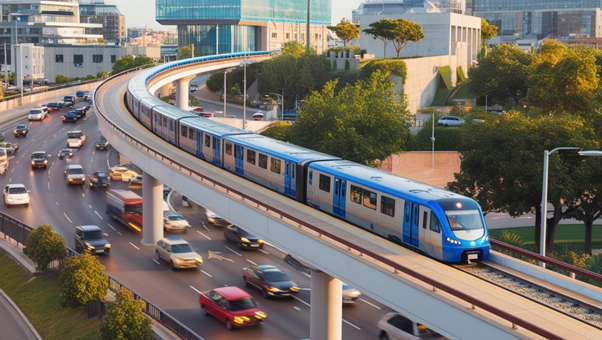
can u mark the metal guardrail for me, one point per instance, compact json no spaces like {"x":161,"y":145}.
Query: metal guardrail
{"x":48,"y":89}
{"x":14,"y":230}
{"x":395,"y":267}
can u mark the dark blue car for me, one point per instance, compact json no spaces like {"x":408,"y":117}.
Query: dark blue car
{"x":80,"y":94}
{"x":69,"y":100}
{"x":70,"y":117}
{"x":80,"y":112}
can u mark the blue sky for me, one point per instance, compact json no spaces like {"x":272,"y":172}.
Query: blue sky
{"x":136,"y":17}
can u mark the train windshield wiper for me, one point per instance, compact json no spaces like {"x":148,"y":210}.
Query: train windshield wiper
{"x":458,"y":224}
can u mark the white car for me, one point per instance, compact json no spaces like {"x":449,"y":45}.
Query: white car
{"x":394,"y":326}
{"x":173,"y":222}
{"x":37,"y":114}
{"x":75,"y":139}
{"x":450,"y":121}
{"x":15,"y":194}
{"x":215,"y":220}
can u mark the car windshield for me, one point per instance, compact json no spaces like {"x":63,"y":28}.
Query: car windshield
{"x":35,"y":112}
{"x":66,"y":151}
{"x":76,"y":171}
{"x":275,"y":276}
{"x":74,"y":135}
{"x":93,"y":235}
{"x":175,"y":217}
{"x":181,"y":248}
{"x":38,"y":155}
{"x":242,"y":304}
{"x":21,"y":127}
{"x":101,"y":175}
{"x":17,"y":190}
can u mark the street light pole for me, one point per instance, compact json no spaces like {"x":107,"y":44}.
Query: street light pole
{"x":224,"y":91}
{"x":244,"y":96}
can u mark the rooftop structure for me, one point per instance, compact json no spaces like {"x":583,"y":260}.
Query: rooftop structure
{"x":113,"y":22}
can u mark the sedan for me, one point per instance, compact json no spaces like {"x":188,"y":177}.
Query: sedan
{"x":122,"y":173}
{"x":242,"y":238}
{"x":397,"y":326}
{"x":270,"y":280}
{"x":135,"y":183}
{"x":66,"y":153}
{"x":102,"y":144}
{"x":99,"y":179}
{"x":173,"y":222}
{"x":232,"y":306}
{"x":21,"y":131}
{"x":70,"y":117}
{"x":450,"y":121}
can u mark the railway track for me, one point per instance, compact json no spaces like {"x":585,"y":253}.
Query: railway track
{"x":585,"y":312}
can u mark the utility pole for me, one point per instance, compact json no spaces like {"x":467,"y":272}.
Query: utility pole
{"x":216,"y":39}
{"x":5,"y":69}
{"x":192,"y":56}
{"x":307,"y":30}
{"x":244,"y":95}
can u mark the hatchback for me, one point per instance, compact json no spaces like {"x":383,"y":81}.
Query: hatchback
{"x":270,"y":280}
{"x":450,"y":121}
{"x":232,"y":306}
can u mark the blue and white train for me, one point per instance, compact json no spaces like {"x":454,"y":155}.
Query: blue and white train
{"x":435,"y":221}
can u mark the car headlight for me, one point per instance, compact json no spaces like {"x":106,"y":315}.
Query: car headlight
{"x":260,"y":241}
{"x":294,"y":289}
{"x":10,"y":199}
{"x":240,"y":319}
{"x":273,"y":289}
{"x":15,"y":131}
{"x":91,"y":247}
{"x":45,"y":161}
{"x":199,"y":259}
{"x":33,"y":162}
{"x":453,"y":241}
{"x":261,"y":315}
{"x":244,"y":239}
{"x":107,"y":246}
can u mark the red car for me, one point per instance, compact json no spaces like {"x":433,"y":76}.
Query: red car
{"x":207,"y":114}
{"x":231,"y":305}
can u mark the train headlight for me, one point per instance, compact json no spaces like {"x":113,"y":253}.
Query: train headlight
{"x":453,"y":241}
{"x":486,"y":238}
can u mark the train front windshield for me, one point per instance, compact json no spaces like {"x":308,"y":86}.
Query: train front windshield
{"x":464,"y":218}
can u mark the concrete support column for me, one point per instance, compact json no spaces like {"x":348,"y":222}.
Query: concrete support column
{"x":326,"y":318}
{"x":152,"y":210}
{"x":164,"y":90}
{"x":182,"y":90}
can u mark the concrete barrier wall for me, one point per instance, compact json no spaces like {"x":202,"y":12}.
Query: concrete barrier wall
{"x":45,"y":97}
{"x":418,"y":165}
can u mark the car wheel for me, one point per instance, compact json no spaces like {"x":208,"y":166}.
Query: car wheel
{"x":246,"y":283}
{"x":171,"y":266}
{"x":204,"y":310}
{"x":240,"y":246}
{"x":158,"y":256}
{"x":445,"y":125}
{"x":264,"y":293}
{"x":229,"y":325}
{"x":383,"y":336}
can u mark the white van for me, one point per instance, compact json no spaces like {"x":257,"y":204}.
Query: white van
{"x":75,"y":139}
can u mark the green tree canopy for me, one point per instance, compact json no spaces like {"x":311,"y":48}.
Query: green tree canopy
{"x":129,"y":62}
{"x":403,"y":32}
{"x":45,"y":246}
{"x":62,"y":79}
{"x":293,"y":48}
{"x":345,"y":31}
{"x":185,"y":52}
{"x":362,"y":123}
{"x":125,"y":319}
{"x":383,"y":31}
{"x":487,"y":31}
{"x":82,"y":281}
{"x":501,"y":75}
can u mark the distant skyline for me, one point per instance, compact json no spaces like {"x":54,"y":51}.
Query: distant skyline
{"x":140,"y":12}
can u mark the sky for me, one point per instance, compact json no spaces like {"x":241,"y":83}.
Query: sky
{"x":140,"y":12}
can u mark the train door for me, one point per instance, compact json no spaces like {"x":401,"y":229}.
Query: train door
{"x":289,"y":179}
{"x":340,"y":194}
{"x":239,"y":155}
{"x":216,"y":148}
{"x":199,"y":144}
{"x":425,"y":234}
{"x":410,"y":223}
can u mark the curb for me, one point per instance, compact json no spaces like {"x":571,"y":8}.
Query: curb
{"x":16,"y":308}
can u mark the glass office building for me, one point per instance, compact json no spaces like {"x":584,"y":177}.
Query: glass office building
{"x":113,"y":22}
{"x":225,"y":26}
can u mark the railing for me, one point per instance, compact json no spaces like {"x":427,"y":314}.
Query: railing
{"x":394,"y":267}
{"x":48,"y":89}
{"x":14,"y":230}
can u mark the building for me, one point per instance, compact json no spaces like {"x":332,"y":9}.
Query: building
{"x":238,"y":25}
{"x":396,"y":7}
{"x":113,"y":22}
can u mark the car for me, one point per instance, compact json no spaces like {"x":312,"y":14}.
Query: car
{"x":197,"y":110}
{"x":21,"y":131}
{"x":69,"y":101}
{"x":177,"y":252}
{"x":102,"y":144}
{"x":258,"y":116}
{"x":207,"y":114}
{"x":70,"y":117}
{"x":135,"y":183}
{"x":87,"y":95}
{"x":36,"y":114}
{"x":193,"y":87}
{"x":85,"y":108}
{"x":61,"y":103}
{"x":175,"y":222}
{"x":215,"y":220}
{"x":12,"y":88}
{"x":10,"y":147}
{"x":450,"y":121}
{"x":166,"y":191}
{"x":350,"y":294}
{"x":80,"y":112}
{"x":74,"y":174}
{"x":66,"y":153}
{"x":39,"y":159}
{"x":232,"y":306}
{"x":15,"y":194}
{"x":270,"y":280}
{"x":99,"y":179}
{"x":91,"y":239}
{"x":75,"y":139}
{"x":122,"y":173}
{"x":53,"y":106}
{"x":242,"y":238}
{"x":80,"y":94}
{"x":396,"y":326}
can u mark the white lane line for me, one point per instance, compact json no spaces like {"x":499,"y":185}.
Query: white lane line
{"x":297,"y":308}
{"x":204,"y":226}
{"x":119,"y":234}
{"x":232,"y":251}
{"x":352,"y":325}
{"x":133,"y":245}
{"x":204,"y":272}
{"x":108,"y":165}
{"x":296,"y":298}
{"x":83,"y":195}
{"x":251,"y":262}
{"x":57,"y":203}
{"x":12,"y":171}
{"x":196,"y":290}
{"x":204,"y":235}
{"x":90,"y":206}
{"x":67,"y":217}
{"x":157,"y":262}
{"x":371,"y":304}
{"x":263,"y":251}
{"x":97,"y":214}
{"x":111,"y":227}
{"x":48,"y":185}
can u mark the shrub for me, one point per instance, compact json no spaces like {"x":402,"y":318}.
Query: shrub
{"x":45,"y":246}
{"x":125,"y":319}
{"x":347,"y":66}
{"x":62,"y":79}
{"x":82,"y":281}
{"x":334,"y":66}
{"x":446,"y":139}
{"x":279,"y":131}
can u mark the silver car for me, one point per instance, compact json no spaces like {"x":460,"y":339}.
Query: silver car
{"x":178,"y":253}
{"x":394,"y":326}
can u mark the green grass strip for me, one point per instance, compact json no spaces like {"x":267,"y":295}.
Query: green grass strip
{"x":445,"y":72}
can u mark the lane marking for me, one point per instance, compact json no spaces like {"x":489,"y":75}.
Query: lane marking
{"x":97,"y":214}
{"x":263,"y":251}
{"x":90,"y":206}
{"x":133,"y":245}
{"x":204,"y":235}
{"x":157,"y":262}
{"x":233,"y":251}
{"x":371,"y":304}
{"x":67,"y":217}
{"x":352,"y":325}
{"x":296,"y":298}
{"x":297,"y":308}
{"x":111,"y":227}
{"x":203,"y":223}
{"x":48,"y":185}
{"x":204,"y":272}
{"x":12,"y":171}
{"x":119,"y":234}
{"x":251,"y":262}
{"x":57,"y":203}
{"x":196,"y":290}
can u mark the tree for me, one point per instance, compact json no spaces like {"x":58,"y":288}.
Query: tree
{"x":102,"y":74}
{"x":293,"y":48}
{"x":82,"y":281}
{"x":45,"y":246}
{"x":362,"y":123}
{"x":487,"y":31}
{"x":501,"y":75}
{"x":129,"y":62}
{"x":125,"y":319}
{"x":62,"y":79}
{"x":345,"y":31}
{"x":403,"y":32}
{"x":185,"y":52}
{"x":383,"y":31}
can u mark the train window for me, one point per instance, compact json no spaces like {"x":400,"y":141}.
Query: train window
{"x":416,"y":215}
{"x":207,"y":140}
{"x":424,"y":216}
{"x":408,"y":211}
{"x":229,"y":149}
{"x":387,"y":206}
{"x":356,"y":194}
{"x":214,"y":143}
{"x":192,"y":134}
{"x":435,"y":225}
{"x":165,"y":121}
{"x":184,"y":131}
{"x":275,"y":165}
{"x":311,"y":177}
{"x":251,"y":156}
{"x":325,"y":183}
{"x":370,"y":199}
{"x":263,"y":161}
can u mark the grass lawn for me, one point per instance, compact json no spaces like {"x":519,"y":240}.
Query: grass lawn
{"x":462,"y":93}
{"x":37,"y":297}
{"x":441,"y":97}
{"x":567,"y":235}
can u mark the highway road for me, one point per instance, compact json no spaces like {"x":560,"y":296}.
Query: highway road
{"x":54,"y":202}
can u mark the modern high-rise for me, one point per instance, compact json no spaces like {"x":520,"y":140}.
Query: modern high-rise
{"x":113,"y":22}
{"x":227,"y":26}
{"x":396,"y":7}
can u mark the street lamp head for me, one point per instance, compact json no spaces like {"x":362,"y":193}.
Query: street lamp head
{"x":590,"y":153}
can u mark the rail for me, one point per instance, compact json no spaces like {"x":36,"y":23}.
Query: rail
{"x":48,"y":89}
{"x":396,"y":267}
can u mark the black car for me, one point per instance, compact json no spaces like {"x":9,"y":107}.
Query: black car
{"x":39,"y":159}
{"x":99,"y":179}
{"x":80,"y":112}
{"x":70,"y":117}
{"x":85,"y":108}
{"x":21,"y":131}
{"x":69,"y":100}
{"x":66,"y":153}
{"x":102,"y":144}
{"x":54,"y":106}
{"x":270,"y":280}
{"x":91,"y":239}
{"x":244,"y":239}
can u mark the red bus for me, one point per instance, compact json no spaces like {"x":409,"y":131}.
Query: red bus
{"x":126,"y":207}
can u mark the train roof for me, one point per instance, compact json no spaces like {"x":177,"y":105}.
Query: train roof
{"x":171,"y":111}
{"x":384,"y":181}
{"x":287,"y":151}
{"x":212,"y":127}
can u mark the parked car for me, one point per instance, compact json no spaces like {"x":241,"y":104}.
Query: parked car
{"x":396,"y":326}
{"x":91,"y":239}
{"x":15,"y":194}
{"x":70,"y":117}
{"x":102,"y":144}
{"x":66,"y":153}
{"x":232,"y":306}
{"x":122,"y":173}
{"x":39,"y":159}
{"x":214,"y":219}
{"x":242,"y":238}
{"x":36,"y":114}
{"x":69,"y":101}
{"x":450,"y":121}
{"x":53,"y":106}
{"x":177,"y":252}
{"x":175,"y":222}
{"x":75,"y":139}
{"x":270,"y":280}
{"x":99,"y":179}
{"x":74,"y":174}
{"x":21,"y":131}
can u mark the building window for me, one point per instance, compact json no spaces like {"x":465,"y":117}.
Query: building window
{"x":251,"y":156}
{"x":295,"y":36}
{"x":58,"y":58}
{"x":78,"y":58}
{"x":275,"y":165}
{"x":97,"y":58}
{"x":387,"y":206}
{"x":274,"y":35}
{"x":288,"y":36}
{"x":325,"y":183}
{"x":263,"y":161}
{"x":316,"y":36}
{"x":113,"y":59}
{"x":302,"y":36}
{"x":356,"y":194}
{"x":370,"y":199}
